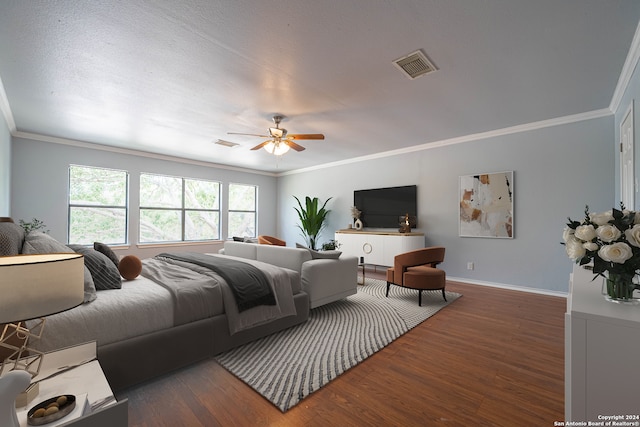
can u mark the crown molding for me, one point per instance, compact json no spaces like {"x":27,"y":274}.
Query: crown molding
{"x":6,"y":109}
{"x":627,"y":71}
{"x":462,"y":139}
{"x":431,"y":145}
{"x":93,"y":146}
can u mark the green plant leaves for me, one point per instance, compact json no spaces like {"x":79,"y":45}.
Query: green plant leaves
{"x":34,"y":225}
{"x":311,"y":219}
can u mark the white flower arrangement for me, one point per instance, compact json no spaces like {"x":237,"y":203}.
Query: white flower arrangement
{"x":610,"y":240}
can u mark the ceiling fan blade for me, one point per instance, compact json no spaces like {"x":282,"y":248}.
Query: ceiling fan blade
{"x":259,"y":146}
{"x":293,"y":145}
{"x":248,"y":134}
{"x":305,"y":136}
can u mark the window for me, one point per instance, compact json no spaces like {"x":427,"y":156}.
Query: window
{"x":97,"y":205}
{"x":242,"y":210}
{"x":176,"y":209}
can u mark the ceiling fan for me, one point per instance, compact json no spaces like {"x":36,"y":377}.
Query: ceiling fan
{"x":280,"y":141}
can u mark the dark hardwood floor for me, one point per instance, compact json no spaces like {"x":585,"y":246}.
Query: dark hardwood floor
{"x":492,"y":358}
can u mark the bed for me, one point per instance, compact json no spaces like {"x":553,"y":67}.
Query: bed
{"x":174,"y":314}
{"x":169,"y":293}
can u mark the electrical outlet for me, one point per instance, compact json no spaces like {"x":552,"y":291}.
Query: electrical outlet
{"x":469,"y":266}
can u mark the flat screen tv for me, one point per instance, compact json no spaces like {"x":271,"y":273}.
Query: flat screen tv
{"x":383,"y":207}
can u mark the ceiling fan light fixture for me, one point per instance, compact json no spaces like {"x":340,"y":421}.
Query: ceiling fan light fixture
{"x":277,"y":148}
{"x":280,"y":141}
{"x":277,"y":132}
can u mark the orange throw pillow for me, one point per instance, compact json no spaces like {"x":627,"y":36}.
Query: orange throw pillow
{"x":130,"y":267}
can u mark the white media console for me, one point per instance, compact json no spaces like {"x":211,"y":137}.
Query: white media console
{"x":602,"y":351}
{"x":376,"y":247}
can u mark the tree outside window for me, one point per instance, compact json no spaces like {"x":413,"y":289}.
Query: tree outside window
{"x":98,"y":204}
{"x":242,"y":210}
{"x":178,"y":209}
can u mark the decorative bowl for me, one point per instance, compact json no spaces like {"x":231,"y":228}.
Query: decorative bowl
{"x":65,"y":404}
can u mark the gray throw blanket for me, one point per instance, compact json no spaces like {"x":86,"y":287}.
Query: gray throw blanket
{"x":249,"y":285}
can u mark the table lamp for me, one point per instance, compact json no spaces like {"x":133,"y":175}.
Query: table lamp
{"x":31,"y":287}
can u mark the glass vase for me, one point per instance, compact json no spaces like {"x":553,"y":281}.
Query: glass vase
{"x":620,"y":288}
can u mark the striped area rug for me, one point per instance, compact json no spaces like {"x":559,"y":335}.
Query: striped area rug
{"x":289,"y":365}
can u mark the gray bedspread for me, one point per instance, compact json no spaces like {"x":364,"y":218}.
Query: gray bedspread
{"x":248,"y":283}
{"x":140,"y":307}
{"x":196,"y":292}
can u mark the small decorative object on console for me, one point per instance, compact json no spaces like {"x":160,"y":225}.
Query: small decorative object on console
{"x":355,"y":214}
{"x":407,"y":222}
{"x":331,"y":245}
{"x":611,"y":242}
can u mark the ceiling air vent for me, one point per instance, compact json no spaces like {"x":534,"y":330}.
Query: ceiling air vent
{"x":226,"y":143}
{"x":414,"y":65}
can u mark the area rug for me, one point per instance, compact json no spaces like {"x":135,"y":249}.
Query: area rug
{"x":289,"y":365}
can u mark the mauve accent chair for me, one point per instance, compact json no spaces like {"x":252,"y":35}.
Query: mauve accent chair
{"x":270,"y":240}
{"x":417,"y":270}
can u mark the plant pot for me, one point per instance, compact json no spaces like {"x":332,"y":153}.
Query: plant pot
{"x":620,"y":288}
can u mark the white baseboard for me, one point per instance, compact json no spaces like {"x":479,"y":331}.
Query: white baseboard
{"x":509,"y":287}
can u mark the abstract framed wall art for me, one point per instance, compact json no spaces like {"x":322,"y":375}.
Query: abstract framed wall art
{"x":486,"y":205}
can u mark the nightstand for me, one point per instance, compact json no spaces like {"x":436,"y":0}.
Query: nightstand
{"x":75,"y":370}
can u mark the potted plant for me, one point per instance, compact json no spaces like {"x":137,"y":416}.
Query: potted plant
{"x":33,"y":225}
{"x":311,"y":219}
{"x":331,"y":245}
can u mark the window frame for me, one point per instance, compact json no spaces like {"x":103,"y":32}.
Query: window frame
{"x":71,"y":205}
{"x":254,"y":211}
{"x":183,"y":211}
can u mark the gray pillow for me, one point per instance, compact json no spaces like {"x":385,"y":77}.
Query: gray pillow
{"x":101,"y":247}
{"x":325,"y":254}
{"x":89,"y":287}
{"x":105,"y":275}
{"x":320,"y":254}
{"x":11,"y":239}
{"x":37,"y":242}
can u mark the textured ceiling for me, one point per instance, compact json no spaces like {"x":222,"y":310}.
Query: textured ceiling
{"x":173,"y":77}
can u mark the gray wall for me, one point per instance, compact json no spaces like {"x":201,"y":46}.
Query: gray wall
{"x":557,"y":170}
{"x":40,"y":181}
{"x":5,"y":168}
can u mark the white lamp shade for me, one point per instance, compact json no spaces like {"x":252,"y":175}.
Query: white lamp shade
{"x":33,"y":286}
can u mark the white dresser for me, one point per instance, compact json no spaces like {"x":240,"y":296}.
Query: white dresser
{"x":377,"y":248}
{"x":602,"y":352}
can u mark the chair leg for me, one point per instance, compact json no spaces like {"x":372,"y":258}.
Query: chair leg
{"x":388,"y":286}
{"x":443,"y":295}
{"x":420,"y":298}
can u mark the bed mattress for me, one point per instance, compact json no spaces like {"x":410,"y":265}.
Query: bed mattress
{"x":140,"y":307}
{"x":143,"y":306}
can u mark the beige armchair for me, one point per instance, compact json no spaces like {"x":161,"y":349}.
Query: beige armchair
{"x":417,"y":270}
